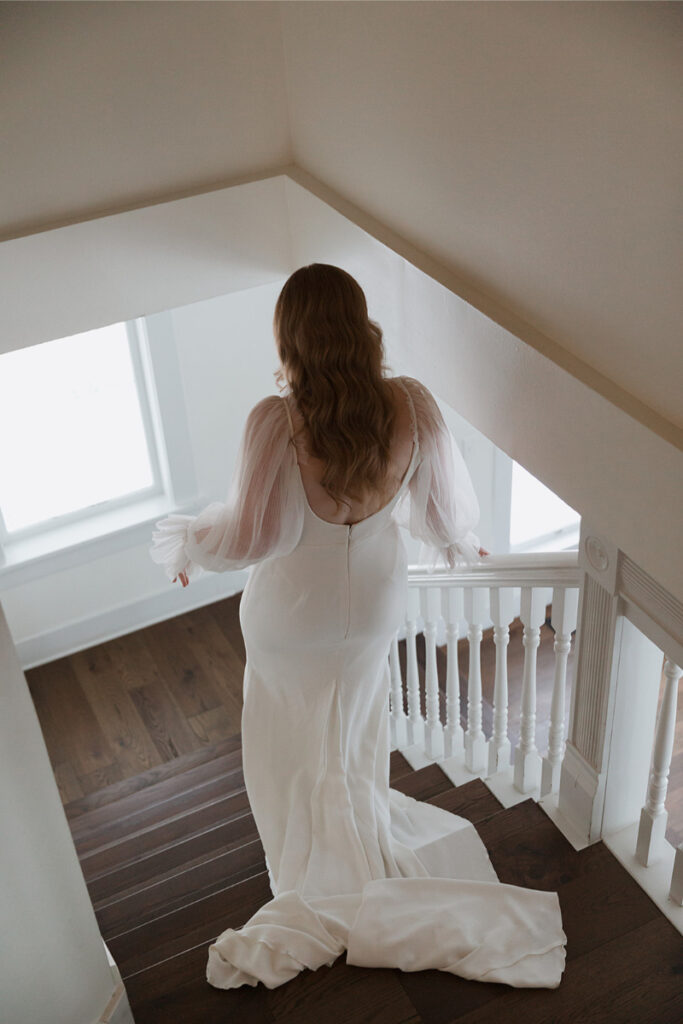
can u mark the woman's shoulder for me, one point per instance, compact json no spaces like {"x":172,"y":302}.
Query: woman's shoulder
{"x":419,"y":394}
{"x":268,"y":408}
{"x":412,"y":384}
{"x":268,"y":415}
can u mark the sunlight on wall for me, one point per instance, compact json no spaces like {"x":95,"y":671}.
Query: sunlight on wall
{"x":72,"y":411}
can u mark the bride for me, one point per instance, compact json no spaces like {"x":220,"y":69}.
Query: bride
{"x":328,"y":472}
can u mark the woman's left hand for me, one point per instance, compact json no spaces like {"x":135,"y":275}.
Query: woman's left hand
{"x":483,"y":551}
{"x":183,"y":578}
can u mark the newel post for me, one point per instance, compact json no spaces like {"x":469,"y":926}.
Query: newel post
{"x":583,"y":776}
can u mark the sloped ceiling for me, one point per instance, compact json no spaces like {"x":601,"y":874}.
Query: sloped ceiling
{"x":531,"y":148}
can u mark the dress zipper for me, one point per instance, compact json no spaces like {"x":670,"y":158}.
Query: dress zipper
{"x":348,"y":580}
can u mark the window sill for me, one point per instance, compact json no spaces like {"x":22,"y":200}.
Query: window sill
{"x":85,"y":541}
{"x":566,"y":539}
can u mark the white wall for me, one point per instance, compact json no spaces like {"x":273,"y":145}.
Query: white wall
{"x":533,"y":149}
{"x":53,"y":964}
{"x":117,"y":105}
{"x":608,"y":466}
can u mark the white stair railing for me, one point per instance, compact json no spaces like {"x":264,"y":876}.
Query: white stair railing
{"x":502,"y":613}
{"x":444,"y":605}
{"x":476,"y":601}
{"x":651,"y":842}
{"x":454,"y":736}
{"x":567,"y":778}
{"x":527,"y":758}
{"x":564,"y":614}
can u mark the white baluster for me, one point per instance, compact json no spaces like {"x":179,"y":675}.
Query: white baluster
{"x":527,"y":769}
{"x":452,"y":611}
{"x":565,"y":605}
{"x":676,"y":890}
{"x":415,"y":719}
{"x":653,"y":817}
{"x":399,"y":732}
{"x":429,"y":607}
{"x":502,"y":614}
{"x":476,"y":609}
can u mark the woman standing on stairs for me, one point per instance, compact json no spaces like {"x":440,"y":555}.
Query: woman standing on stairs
{"x":327,"y":473}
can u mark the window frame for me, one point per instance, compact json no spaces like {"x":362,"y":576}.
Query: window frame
{"x":118,"y":523}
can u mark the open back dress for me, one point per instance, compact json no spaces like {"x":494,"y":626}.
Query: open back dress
{"x":353,"y":864}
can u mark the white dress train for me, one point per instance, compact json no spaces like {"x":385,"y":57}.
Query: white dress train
{"x":353,"y":864}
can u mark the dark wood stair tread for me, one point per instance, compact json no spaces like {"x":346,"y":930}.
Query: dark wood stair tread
{"x":473,"y":800}
{"x":203,"y":920}
{"x":398,"y":766}
{"x":174,"y":890}
{"x":423,"y":783}
{"x":192,"y":867}
{"x":124,"y":878}
{"x":121,"y":823}
{"x":153,"y":776}
{"x":155,"y":792}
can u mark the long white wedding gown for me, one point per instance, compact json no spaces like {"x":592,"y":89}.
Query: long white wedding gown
{"x":353,"y":864}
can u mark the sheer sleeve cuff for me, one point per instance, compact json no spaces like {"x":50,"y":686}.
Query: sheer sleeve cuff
{"x":464,"y":551}
{"x":168,"y":546}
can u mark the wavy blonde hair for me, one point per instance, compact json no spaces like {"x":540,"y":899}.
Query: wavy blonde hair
{"x":332,"y":356}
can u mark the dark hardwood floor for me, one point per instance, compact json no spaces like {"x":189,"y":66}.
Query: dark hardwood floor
{"x":143,"y":734}
{"x":173,"y":861}
{"x":122,"y":707}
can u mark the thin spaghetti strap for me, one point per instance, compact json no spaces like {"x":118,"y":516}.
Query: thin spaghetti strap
{"x":289,"y":417}
{"x":413,"y":417}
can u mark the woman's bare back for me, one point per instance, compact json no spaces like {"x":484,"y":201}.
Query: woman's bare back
{"x":312,"y":468}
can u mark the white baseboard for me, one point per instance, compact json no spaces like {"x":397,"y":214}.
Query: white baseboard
{"x":103,"y":626}
{"x":549,"y":804}
{"x":117,"y":1010}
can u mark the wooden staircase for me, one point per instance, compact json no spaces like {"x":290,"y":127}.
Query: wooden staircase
{"x":172,"y":857}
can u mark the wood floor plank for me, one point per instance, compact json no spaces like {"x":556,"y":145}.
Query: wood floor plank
{"x":177,"y":992}
{"x":474,"y":801}
{"x":349,"y":995}
{"x":213,"y":725}
{"x":149,"y":866}
{"x":424,"y":783}
{"x":200,"y":762}
{"x":95,"y":782}
{"x":176,"y":890}
{"x":116,"y":713}
{"x":68,"y":783}
{"x":186,"y":801}
{"x":203,"y":921}
{"x":437,"y":995}
{"x":159,"y":837}
{"x":167,"y":726}
{"x":170,"y":788}
{"x":134,"y":660}
{"x":178,"y":667}
{"x":398,"y":766}
{"x":219,"y":659}
{"x":71,"y":731}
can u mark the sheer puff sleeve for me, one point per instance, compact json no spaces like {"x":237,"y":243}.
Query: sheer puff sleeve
{"x":262,"y":516}
{"x":442,"y":510}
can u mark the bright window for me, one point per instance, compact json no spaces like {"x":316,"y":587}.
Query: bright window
{"x":537,"y":515}
{"x":75,"y":427}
